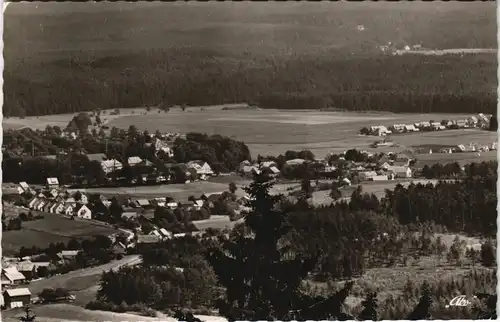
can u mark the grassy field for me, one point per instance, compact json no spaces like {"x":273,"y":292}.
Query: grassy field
{"x":462,"y":158}
{"x":51,"y":229}
{"x":269,"y":132}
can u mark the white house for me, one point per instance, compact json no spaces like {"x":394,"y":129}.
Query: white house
{"x":39,"y":206}
{"x":53,"y":193}
{"x":401,"y":172}
{"x":23,"y":185}
{"x":58,"y":209}
{"x":52,"y":183}
{"x":82,"y":211}
{"x":109,"y":166}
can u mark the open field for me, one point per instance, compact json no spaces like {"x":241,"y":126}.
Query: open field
{"x":51,"y":229}
{"x":462,"y":158}
{"x":178,"y":191}
{"x":376,"y":187}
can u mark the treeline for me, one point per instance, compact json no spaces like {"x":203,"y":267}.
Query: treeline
{"x":408,"y":83}
{"x":221,"y":153}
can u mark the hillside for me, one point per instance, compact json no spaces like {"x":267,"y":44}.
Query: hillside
{"x":111,"y":55}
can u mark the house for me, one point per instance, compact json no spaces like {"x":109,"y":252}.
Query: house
{"x":70,"y":201}
{"x":133,"y":161}
{"x":67,"y":254}
{"x":53,"y":207}
{"x":96,"y":157}
{"x":39,"y":206}
{"x":11,"y":276}
{"x":198,"y":204}
{"x":187,"y":205}
{"x":366,"y":175}
{"x":461,"y":123}
{"x":148,"y":239}
{"x":23,"y":188}
{"x":109,"y":166}
{"x":274,"y":171}
{"x":244,"y":164}
{"x":294,"y":162}
{"x":401,"y":172}
{"x":33,"y":202}
{"x":436,"y":126}
{"x":473,"y":121}
{"x":68,"y":210}
{"x":164,"y":147}
{"x":47,"y":206}
{"x":17,"y":297}
{"x":161,"y":233}
{"x":268,"y":164}
{"x":397,"y":128}
{"x":410,"y":128}
{"x":201,"y":167}
{"x":27,"y":268}
{"x":346,"y":181}
{"x":53,"y":193}
{"x":82,"y":211}
{"x":172,"y":205}
{"x":83,"y":199}
{"x":52,"y":183}
{"x":142,"y":203}
{"x":129,"y":215}
{"x":380,"y":178}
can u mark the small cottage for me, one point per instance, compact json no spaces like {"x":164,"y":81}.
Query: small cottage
{"x":17,"y":297}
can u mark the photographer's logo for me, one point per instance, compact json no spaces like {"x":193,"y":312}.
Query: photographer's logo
{"x":460,"y":300}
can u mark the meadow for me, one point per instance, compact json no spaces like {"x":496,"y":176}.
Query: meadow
{"x":50,"y":229}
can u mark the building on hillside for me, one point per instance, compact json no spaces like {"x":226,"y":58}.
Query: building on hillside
{"x":96,"y":157}
{"x":11,"y":276}
{"x":52,"y":183}
{"x":366,"y":175}
{"x":27,"y":268}
{"x":142,"y":203}
{"x":133,"y":161}
{"x":109,"y":166}
{"x":17,"y":297}
{"x":401,"y":172}
{"x":201,"y":167}
{"x":82,"y":211}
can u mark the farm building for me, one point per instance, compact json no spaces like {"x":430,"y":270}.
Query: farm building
{"x":11,"y":276}
{"x":52,"y":183}
{"x":17,"y":297}
{"x":401,"y":172}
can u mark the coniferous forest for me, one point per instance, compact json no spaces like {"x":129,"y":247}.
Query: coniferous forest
{"x":291,"y":261}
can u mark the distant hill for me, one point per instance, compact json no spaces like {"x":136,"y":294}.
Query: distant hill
{"x":109,"y":55}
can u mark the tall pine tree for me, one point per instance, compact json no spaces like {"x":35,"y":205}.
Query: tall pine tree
{"x":261,"y":274}
{"x":369,"y":311}
{"x":421,"y":311}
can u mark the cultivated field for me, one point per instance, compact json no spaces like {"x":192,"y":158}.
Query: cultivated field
{"x":51,"y":229}
{"x":462,"y":158}
{"x":268,"y":132}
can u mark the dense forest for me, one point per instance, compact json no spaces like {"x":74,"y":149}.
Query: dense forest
{"x":194,"y":77}
{"x":264,"y":268}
